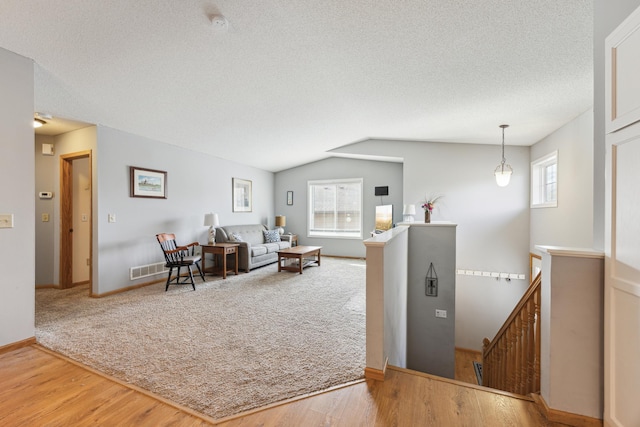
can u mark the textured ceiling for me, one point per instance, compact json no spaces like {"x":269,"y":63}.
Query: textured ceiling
{"x":291,"y":80}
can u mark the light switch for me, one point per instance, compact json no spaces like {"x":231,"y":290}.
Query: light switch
{"x":6,"y":220}
{"x":112,"y":217}
{"x":45,"y":217}
{"x":441,"y":313}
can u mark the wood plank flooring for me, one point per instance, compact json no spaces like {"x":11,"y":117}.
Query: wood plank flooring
{"x":464,"y":365}
{"x":39,"y":388}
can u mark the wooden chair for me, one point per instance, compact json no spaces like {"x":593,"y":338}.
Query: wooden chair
{"x":178,"y":257}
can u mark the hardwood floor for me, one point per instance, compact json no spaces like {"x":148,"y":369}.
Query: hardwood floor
{"x":464,"y":365}
{"x":40,"y":388}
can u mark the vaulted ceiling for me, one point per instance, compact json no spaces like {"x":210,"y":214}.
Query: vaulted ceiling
{"x":286,"y":81}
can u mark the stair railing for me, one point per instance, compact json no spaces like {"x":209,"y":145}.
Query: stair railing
{"x":511,"y":361}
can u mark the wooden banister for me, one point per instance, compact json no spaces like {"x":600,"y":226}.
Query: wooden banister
{"x":511,"y":361}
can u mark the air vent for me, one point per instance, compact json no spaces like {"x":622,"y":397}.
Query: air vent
{"x":147,"y":270}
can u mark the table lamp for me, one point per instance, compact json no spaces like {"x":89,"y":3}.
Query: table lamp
{"x":212,"y":221}
{"x":408,"y":212}
{"x":281,"y":221}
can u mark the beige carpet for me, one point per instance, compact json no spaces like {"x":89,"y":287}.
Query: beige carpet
{"x":230,"y":346}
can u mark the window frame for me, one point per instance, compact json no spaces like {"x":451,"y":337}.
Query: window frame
{"x":539,"y":182}
{"x":335,"y":235}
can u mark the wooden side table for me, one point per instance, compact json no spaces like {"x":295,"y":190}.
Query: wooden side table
{"x":292,"y":238}
{"x":222,"y":249}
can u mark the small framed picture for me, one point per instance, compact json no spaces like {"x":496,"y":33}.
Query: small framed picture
{"x":289,"y":198}
{"x":148,"y":183}
{"x":241,"y":195}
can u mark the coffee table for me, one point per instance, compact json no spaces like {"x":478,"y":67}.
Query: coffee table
{"x":305,"y":255}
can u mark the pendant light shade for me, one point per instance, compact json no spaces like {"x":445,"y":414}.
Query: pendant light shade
{"x":503,"y":171}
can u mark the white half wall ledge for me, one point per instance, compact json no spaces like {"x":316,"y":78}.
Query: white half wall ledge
{"x":383,"y":238}
{"x":570,"y":252}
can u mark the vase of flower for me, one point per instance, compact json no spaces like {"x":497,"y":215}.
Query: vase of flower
{"x":428,"y":205}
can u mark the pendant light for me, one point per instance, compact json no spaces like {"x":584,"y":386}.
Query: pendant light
{"x":503,"y":171}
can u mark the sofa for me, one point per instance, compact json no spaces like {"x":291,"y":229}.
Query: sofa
{"x":258,"y":245}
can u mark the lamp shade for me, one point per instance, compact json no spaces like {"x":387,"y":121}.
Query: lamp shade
{"x":409,"y":210}
{"x":503,"y":175}
{"x":211,"y":220}
{"x":281,"y":221}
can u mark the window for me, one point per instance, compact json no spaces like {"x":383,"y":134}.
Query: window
{"x":335,"y":208}
{"x":544,"y":181}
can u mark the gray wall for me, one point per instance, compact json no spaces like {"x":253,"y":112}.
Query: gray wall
{"x":571,"y":222}
{"x":430,"y":339}
{"x":17,"y":251}
{"x":374,"y":173}
{"x":196,"y":184}
{"x":46,"y":170}
{"x":608,"y":14}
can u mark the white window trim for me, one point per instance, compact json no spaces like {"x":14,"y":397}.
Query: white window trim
{"x":537,"y":180}
{"x":309,"y":208}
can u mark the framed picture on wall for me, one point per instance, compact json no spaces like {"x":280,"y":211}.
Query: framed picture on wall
{"x":241,"y":195}
{"x":148,"y":183}
{"x":289,"y":198}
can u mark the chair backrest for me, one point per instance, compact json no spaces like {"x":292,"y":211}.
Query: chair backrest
{"x":168,"y":243}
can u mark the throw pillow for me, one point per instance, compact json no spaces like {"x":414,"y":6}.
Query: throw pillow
{"x":235,"y":237}
{"x":271,"y":236}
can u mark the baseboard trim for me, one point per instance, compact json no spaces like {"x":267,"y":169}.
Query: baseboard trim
{"x":376,"y":374}
{"x":18,"y":344}
{"x":51,"y":286}
{"x":563,"y":417}
{"x":128,"y":288}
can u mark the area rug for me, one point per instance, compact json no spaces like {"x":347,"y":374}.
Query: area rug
{"x":230,"y":346}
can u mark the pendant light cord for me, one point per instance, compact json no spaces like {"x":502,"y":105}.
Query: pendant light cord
{"x":503,"y":159}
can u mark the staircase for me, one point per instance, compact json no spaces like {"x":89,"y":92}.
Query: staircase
{"x":511,"y":361}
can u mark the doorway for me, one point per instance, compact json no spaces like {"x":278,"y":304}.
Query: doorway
{"x":75,"y":220}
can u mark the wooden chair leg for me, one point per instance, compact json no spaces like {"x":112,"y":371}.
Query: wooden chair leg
{"x":168,"y":279}
{"x":200,"y":270}
{"x":193,"y":283}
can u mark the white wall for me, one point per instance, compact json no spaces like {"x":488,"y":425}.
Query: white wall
{"x":569,"y":224}
{"x":17,"y":251}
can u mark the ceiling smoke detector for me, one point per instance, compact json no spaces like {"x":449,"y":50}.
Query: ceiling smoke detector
{"x":219,"y":23}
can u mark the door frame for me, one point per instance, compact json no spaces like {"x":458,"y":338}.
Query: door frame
{"x":66,"y":219}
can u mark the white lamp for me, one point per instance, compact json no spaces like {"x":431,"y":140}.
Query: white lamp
{"x":281,"y":221}
{"x":409,"y":211}
{"x":503,"y":171}
{"x":212,"y":221}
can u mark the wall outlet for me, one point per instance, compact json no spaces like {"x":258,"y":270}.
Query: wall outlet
{"x":45,"y":217}
{"x":441,"y":313}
